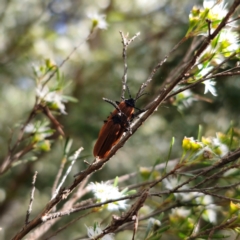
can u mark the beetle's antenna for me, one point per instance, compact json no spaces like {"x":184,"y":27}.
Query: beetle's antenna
{"x":138,"y":96}
{"x":112,"y":103}
{"x":129,"y":94}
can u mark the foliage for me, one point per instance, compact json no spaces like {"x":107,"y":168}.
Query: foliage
{"x":57,"y":62}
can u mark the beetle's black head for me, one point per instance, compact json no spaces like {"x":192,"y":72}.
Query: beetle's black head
{"x":130,"y":102}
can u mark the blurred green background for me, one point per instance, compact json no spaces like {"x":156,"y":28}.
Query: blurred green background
{"x":32,"y":31}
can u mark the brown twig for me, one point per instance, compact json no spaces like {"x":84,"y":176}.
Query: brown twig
{"x":54,"y":121}
{"x":129,"y":216}
{"x":10,"y":158}
{"x":78,"y":208}
{"x":176,"y":70}
{"x":67,"y":225}
{"x":157,"y":67}
{"x":216,"y":174}
{"x":223,"y":161}
{"x":221,"y":226}
{"x":207,"y":77}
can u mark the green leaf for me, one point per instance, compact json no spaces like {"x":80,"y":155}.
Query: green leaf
{"x":69,"y":98}
{"x":169,"y":153}
{"x":67,"y":146}
{"x":131,"y":192}
{"x":115,"y":182}
{"x":199,"y":132}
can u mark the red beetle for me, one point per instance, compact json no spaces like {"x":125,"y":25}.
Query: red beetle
{"x":115,"y":125}
{"x":110,"y":134}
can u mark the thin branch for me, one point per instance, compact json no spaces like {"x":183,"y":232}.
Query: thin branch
{"x":216,"y":174}
{"x":212,"y":189}
{"x":175,"y":71}
{"x":67,"y":58}
{"x":221,"y":226}
{"x":10,"y":159}
{"x":31,"y":198}
{"x":223,"y":161}
{"x":6,"y":164}
{"x":67,"y":225}
{"x":129,"y":216}
{"x":135,"y":219}
{"x":78,"y":208}
{"x":126,"y":43}
{"x":55,"y":122}
{"x":157,"y":67}
{"x":204,"y":78}
{"x":59,"y":174}
{"x":42,"y":229}
{"x":165,"y":176}
{"x":219,"y":196}
{"x":209,"y":26}
{"x":77,"y":153}
{"x":125,"y":177}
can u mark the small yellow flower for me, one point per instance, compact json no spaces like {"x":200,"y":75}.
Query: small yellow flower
{"x":187,"y":143}
{"x":234,"y":207}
